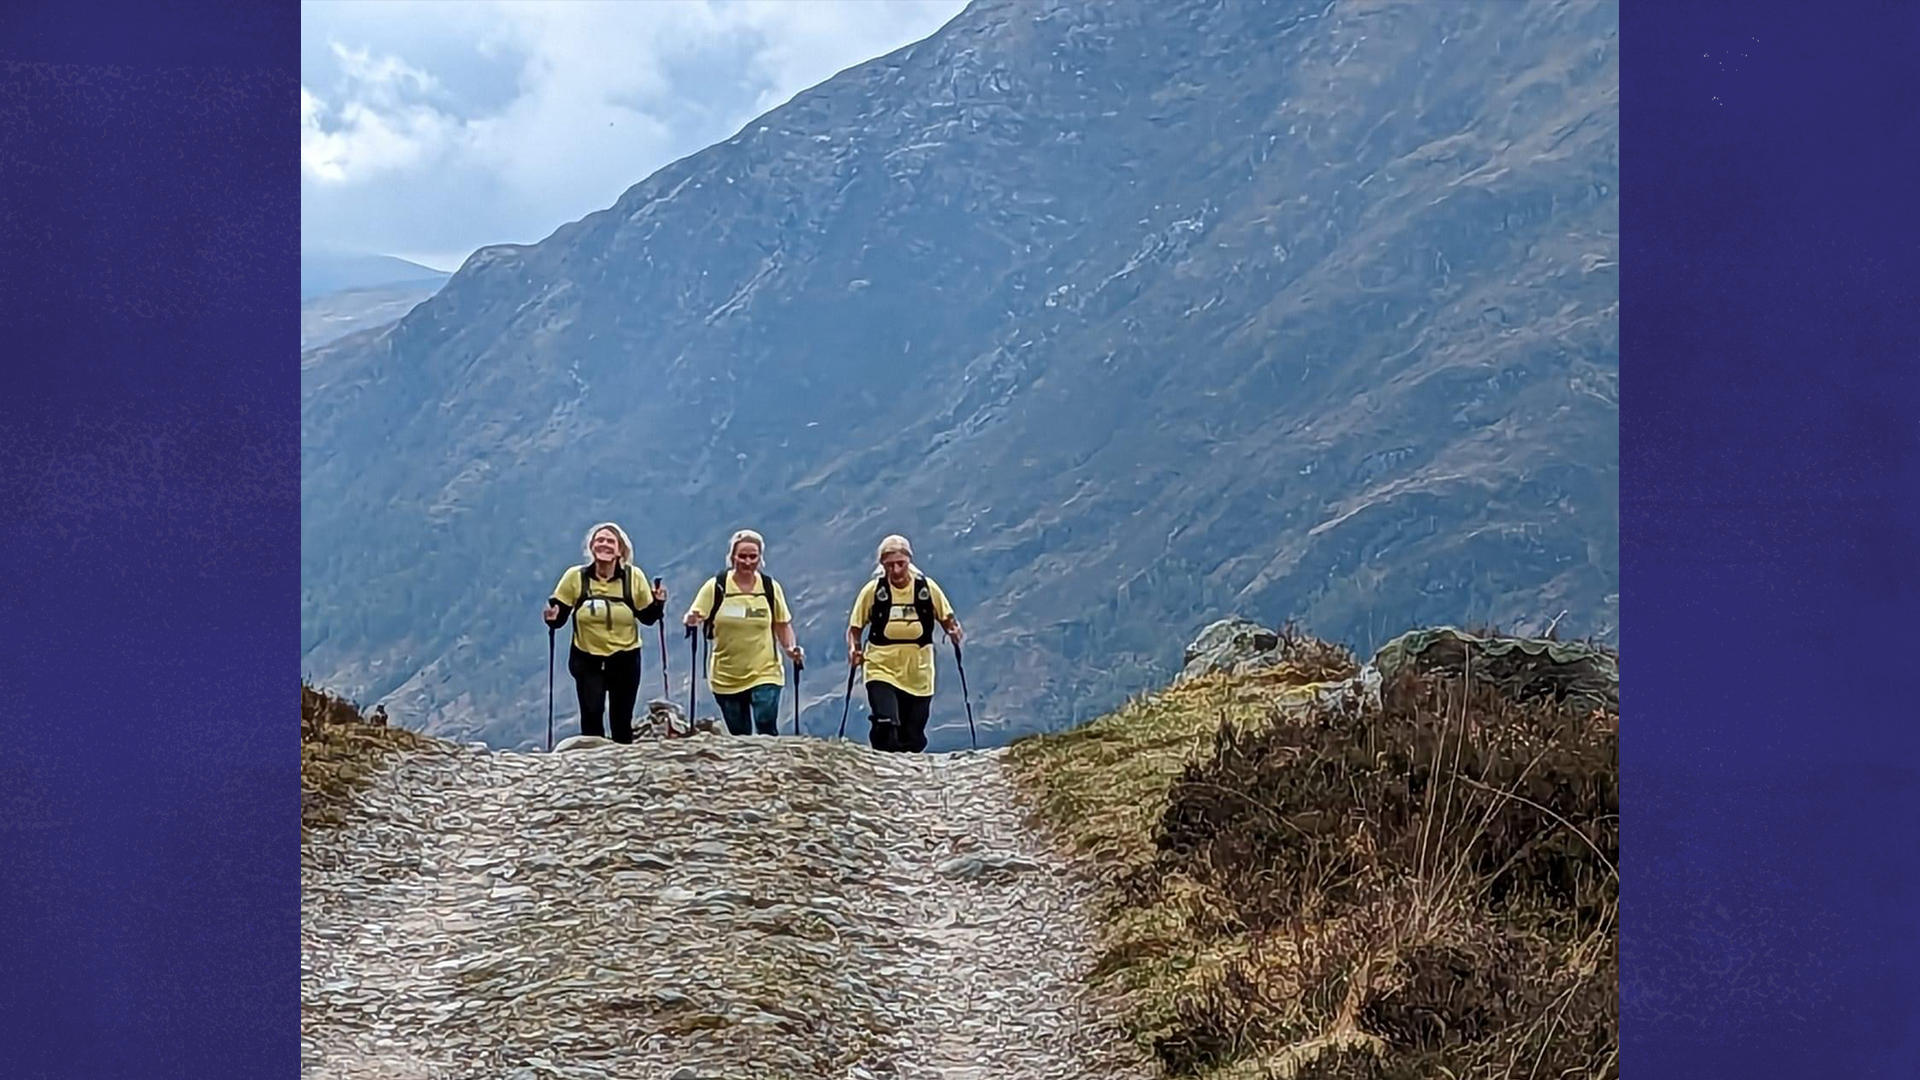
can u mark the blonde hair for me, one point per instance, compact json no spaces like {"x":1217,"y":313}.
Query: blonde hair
{"x":742,"y":536}
{"x":892,"y":544}
{"x":619,"y":536}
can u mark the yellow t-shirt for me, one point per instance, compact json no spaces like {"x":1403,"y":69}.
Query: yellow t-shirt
{"x":602,"y":624}
{"x":909,"y":667}
{"x":743,"y":649}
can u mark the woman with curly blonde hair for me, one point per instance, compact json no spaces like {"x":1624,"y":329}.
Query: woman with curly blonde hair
{"x":609,"y":599}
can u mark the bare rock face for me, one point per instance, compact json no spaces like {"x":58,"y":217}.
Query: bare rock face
{"x":1232,"y":645}
{"x":1522,"y":667}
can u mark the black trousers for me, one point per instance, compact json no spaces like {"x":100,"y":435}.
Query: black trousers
{"x":898,"y":722}
{"x":600,"y":679}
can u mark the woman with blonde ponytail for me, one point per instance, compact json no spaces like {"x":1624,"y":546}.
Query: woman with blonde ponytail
{"x":745,"y":614}
{"x":897,"y":611}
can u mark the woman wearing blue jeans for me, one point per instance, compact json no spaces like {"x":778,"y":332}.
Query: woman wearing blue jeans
{"x":745,"y":614}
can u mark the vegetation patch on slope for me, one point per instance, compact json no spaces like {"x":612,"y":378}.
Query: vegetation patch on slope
{"x":340,"y":748}
{"x":1308,"y":885}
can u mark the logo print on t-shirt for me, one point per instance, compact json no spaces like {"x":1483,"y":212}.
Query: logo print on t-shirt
{"x":744,"y":608}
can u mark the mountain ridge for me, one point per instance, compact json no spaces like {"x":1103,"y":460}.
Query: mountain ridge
{"x":324,"y":271}
{"x":333,"y":315}
{"x":1124,"y":314}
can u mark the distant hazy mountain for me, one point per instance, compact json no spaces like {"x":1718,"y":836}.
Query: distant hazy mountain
{"x":1131,"y":315}
{"x":334,"y":315}
{"x":324,"y":272}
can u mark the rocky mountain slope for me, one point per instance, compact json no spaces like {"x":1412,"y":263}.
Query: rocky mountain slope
{"x":1125,"y":313}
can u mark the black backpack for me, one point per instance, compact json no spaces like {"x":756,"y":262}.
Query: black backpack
{"x":720,"y":595}
{"x":626,"y":597}
{"x":882,"y":610}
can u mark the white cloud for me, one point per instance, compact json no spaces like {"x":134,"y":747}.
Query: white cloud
{"x":384,"y":77}
{"x":382,"y":125}
{"x":444,"y":126}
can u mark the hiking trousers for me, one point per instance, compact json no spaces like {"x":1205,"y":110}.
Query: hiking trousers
{"x":898,"y":723}
{"x":598,"y":680}
{"x":756,"y":708}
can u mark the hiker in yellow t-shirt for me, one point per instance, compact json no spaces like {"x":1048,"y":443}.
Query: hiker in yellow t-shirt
{"x":745,"y":613}
{"x":897,"y":611}
{"x":608,"y":599}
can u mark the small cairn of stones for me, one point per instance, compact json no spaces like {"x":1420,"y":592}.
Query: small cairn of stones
{"x":662,"y":720}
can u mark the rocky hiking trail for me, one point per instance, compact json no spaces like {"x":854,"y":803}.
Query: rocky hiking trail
{"x":699,"y":907}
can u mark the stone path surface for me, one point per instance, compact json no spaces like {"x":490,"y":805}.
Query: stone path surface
{"x":693,"y":908}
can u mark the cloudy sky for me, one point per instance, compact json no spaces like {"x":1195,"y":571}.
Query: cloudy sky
{"x":429,"y":128}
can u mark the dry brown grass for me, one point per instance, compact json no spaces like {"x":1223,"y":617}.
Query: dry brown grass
{"x":339,"y":751}
{"x":1421,"y":889}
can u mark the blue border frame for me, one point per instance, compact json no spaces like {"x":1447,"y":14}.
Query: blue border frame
{"x":1770,"y":478}
{"x":149,"y":540}
{"x":1769,"y":517}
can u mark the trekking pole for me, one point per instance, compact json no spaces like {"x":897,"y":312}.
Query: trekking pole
{"x":797,"y":668}
{"x":693,"y":671}
{"x":550,"y":633}
{"x":846,"y":702}
{"x":964,"y":695}
{"x":665,"y":690}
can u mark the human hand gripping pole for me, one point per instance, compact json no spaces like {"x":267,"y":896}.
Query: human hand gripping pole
{"x":799,"y":665}
{"x":553,"y":627}
{"x":665,"y":689}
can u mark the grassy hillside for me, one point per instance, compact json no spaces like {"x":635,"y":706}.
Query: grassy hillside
{"x":1307,"y":883}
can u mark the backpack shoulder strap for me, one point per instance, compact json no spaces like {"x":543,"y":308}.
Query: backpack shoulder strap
{"x":580,"y":593}
{"x":766,"y":589}
{"x":719,"y":593}
{"x":923,"y":606}
{"x":878,"y":611}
